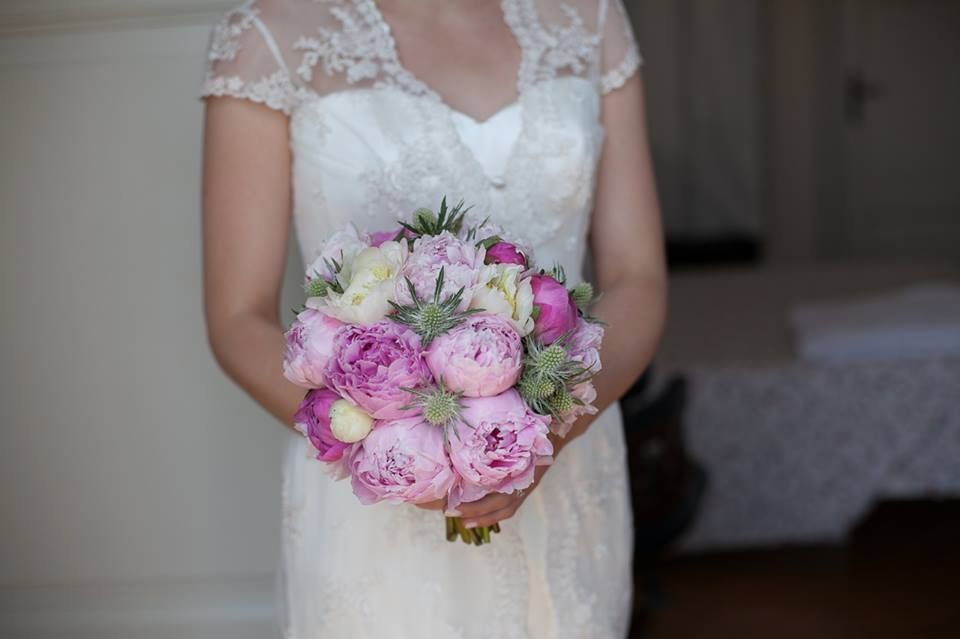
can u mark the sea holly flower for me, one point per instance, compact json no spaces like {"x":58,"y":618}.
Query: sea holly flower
{"x":433,"y":317}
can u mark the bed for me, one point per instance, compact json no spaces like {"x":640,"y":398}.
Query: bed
{"x":797,"y":450}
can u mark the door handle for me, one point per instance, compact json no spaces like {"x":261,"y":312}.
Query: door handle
{"x":858,"y":91}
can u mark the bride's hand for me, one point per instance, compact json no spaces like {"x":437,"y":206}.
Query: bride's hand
{"x":497,"y":507}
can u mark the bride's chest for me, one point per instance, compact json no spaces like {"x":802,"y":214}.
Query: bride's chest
{"x":381,"y":152}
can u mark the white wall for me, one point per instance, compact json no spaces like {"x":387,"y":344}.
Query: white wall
{"x":139,"y":487}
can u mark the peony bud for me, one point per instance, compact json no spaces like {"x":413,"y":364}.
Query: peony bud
{"x":348,"y":423}
{"x":505,"y":253}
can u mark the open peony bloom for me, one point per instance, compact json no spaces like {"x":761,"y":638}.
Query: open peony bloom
{"x":505,"y":253}
{"x":503,"y":290}
{"x":401,"y":461}
{"x":557,"y":311}
{"x":313,"y":421}
{"x":460,"y":261}
{"x":371,"y":366}
{"x":368,"y":281}
{"x":497,"y":445}
{"x":479,"y":358}
{"x":309,"y":346}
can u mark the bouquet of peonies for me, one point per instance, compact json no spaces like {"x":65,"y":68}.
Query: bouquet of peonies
{"x":438,"y":358}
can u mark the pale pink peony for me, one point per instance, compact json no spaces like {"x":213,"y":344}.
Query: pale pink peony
{"x":586,"y":393}
{"x":371,"y":366}
{"x":401,"y":461}
{"x":461,"y":263}
{"x":505,"y":253}
{"x":557,"y":313}
{"x":497,"y":446}
{"x":312,"y":420}
{"x":584,"y":345}
{"x":309,"y":347}
{"x":479,"y":358}
{"x":340,"y":247}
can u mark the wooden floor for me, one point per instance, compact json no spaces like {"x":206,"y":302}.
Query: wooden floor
{"x":899,"y":577}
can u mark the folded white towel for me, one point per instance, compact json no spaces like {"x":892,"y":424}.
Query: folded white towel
{"x":918,"y":322}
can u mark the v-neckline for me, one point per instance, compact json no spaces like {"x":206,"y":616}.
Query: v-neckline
{"x":411,"y":79}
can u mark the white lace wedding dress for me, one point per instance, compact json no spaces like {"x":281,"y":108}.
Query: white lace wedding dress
{"x":370,"y":143}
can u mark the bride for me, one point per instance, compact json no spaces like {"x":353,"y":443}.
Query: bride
{"x":329,"y":111}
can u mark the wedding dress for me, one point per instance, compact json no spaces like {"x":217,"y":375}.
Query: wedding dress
{"x":370,"y":143}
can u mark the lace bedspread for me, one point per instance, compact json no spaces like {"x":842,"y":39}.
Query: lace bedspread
{"x":798,"y":453}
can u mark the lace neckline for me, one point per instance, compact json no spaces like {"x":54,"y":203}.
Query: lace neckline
{"x":409,"y":80}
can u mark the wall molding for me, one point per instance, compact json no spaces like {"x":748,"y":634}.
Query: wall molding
{"x":241,"y":608}
{"x":26,"y":17}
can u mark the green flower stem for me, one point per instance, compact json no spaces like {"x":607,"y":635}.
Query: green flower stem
{"x":477,"y":536}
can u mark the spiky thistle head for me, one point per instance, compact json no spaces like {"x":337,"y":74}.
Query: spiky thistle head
{"x":438,"y":405}
{"x":548,"y":374}
{"x":316,"y":287}
{"x":430,"y":319}
{"x":582,"y":295}
{"x":426,"y":222}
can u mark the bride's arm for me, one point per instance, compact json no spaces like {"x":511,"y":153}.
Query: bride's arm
{"x":246,"y":213}
{"x":629,"y":270}
{"x":627,"y":244}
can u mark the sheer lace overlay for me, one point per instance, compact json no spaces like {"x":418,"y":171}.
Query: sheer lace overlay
{"x":370,"y":143}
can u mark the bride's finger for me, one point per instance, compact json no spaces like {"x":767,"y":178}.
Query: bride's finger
{"x":492,"y":518}
{"x":439,"y":504}
{"x":488,"y":504}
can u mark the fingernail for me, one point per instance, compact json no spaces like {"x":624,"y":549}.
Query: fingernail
{"x":470,"y":524}
{"x":452,"y":513}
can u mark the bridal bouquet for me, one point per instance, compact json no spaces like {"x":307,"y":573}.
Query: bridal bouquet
{"x":438,"y":358}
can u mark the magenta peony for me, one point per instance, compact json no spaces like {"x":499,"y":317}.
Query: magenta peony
{"x":461,"y":263}
{"x":497,"y":445}
{"x":371,"y":365}
{"x":557,"y":312}
{"x":401,"y":461}
{"x":505,"y":253}
{"x":309,"y":347}
{"x":479,"y":358}
{"x":313,"y":421}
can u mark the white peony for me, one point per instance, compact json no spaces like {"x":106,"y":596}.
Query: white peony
{"x":368,"y":281}
{"x":348,"y":423}
{"x":503,"y":291}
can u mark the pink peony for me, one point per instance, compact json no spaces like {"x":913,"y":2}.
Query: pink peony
{"x":584,"y":345}
{"x":479,"y":358}
{"x":497,"y":446}
{"x":371,"y":366}
{"x":586,"y":394}
{"x":379,"y":237}
{"x":461,"y":263}
{"x":309,"y":347}
{"x":505,"y":253}
{"x":557,"y":311}
{"x":401,"y":461}
{"x":313,"y":421}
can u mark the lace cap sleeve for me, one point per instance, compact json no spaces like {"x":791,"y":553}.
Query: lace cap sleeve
{"x":620,"y":58}
{"x":244,"y":61}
